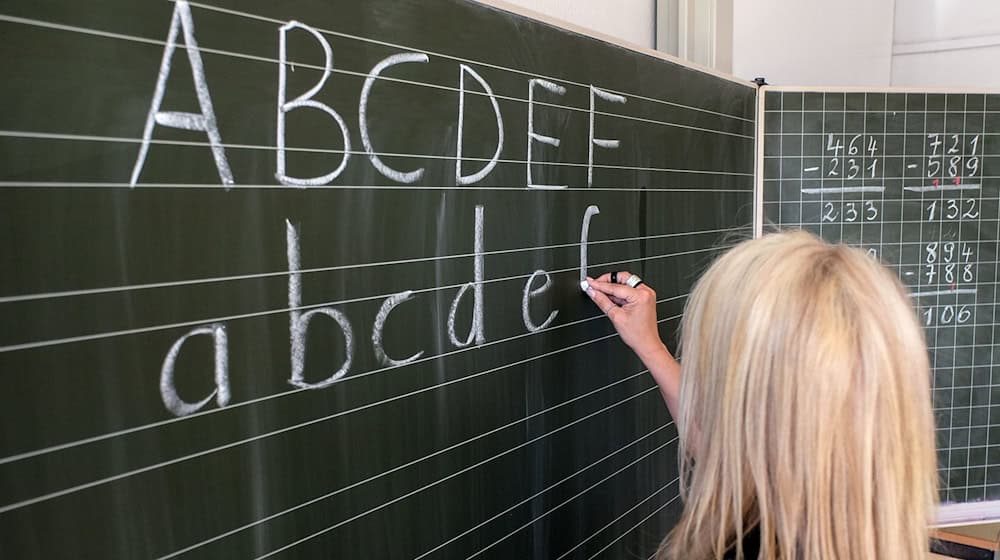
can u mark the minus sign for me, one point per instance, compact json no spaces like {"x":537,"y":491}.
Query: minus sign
{"x":911,"y":166}
{"x":811,"y":169}
{"x":908,"y":274}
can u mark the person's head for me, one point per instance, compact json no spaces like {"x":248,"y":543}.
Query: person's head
{"x":804,"y":407}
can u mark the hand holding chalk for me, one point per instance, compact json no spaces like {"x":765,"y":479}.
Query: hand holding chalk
{"x":632,"y":311}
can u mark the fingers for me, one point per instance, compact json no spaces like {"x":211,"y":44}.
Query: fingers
{"x":618,"y":301}
{"x":628,"y":295}
{"x":611,"y":297}
{"x":623,"y":275}
{"x":603,"y":303}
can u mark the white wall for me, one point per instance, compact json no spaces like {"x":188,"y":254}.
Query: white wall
{"x":917,"y":43}
{"x":630,"y":20}
{"x":814,"y":42}
{"x":947,"y":43}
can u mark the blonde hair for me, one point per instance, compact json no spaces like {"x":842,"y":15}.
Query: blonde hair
{"x":804,"y":408}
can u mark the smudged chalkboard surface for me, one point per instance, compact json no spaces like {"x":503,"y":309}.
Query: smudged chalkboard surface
{"x":278,"y":280}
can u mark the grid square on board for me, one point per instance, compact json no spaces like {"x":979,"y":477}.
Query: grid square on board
{"x":772,"y":101}
{"x":895,"y":102}
{"x":854,"y":101}
{"x":935,"y":102}
{"x":812,"y":101}
{"x":791,"y":101}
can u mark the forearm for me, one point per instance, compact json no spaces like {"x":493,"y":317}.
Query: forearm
{"x":633,"y":313}
{"x":667,"y":373}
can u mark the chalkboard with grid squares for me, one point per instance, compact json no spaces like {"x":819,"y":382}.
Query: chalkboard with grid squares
{"x":912,"y":178}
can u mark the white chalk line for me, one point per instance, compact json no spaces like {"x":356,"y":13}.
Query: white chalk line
{"x":960,"y":347}
{"x":617,"y":519}
{"x":258,"y":400}
{"x":206,"y":452}
{"x":332,"y":527}
{"x":902,"y":198}
{"x":876,"y":111}
{"x":156,"y":328}
{"x":163,"y":464}
{"x":466,"y":60}
{"x":772,"y":180}
{"x":825,"y":190}
{"x":255,"y":58}
{"x":216,"y":186}
{"x":953,"y":326}
{"x":915,"y":222}
{"x":944,"y":187}
{"x":959,"y":407}
{"x":404,"y":466}
{"x":582,"y":492}
{"x":539,"y":493}
{"x":281,"y":273}
{"x":904,"y":157}
{"x":37,"y":135}
{"x":634,"y":527}
{"x":904,"y":243}
{"x":947,"y":290}
{"x":943,"y":292}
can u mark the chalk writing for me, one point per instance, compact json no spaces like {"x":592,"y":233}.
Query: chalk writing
{"x":400,"y":176}
{"x":534,"y":136}
{"x":205,"y":121}
{"x":606,"y":143}
{"x":530,"y":293}
{"x":486,"y":169}
{"x":383,"y":313}
{"x":168,"y":392}
{"x":305,"y":101}
{"x":584,"y":235}
{"x":299,"y":322}
{"x":476,"y":327}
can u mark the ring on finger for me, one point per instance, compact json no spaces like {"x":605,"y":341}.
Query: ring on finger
{"x":633,"y":281}
{"x":614,"y":277}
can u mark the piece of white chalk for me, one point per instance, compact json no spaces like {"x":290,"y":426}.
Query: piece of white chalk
{"x":584,"y":286}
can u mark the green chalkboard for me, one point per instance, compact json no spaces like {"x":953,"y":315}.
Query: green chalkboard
{"x":262,"y":302}
{"x":911,"y":177}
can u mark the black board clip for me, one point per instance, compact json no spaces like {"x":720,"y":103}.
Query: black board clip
{"x":760,"y":81}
